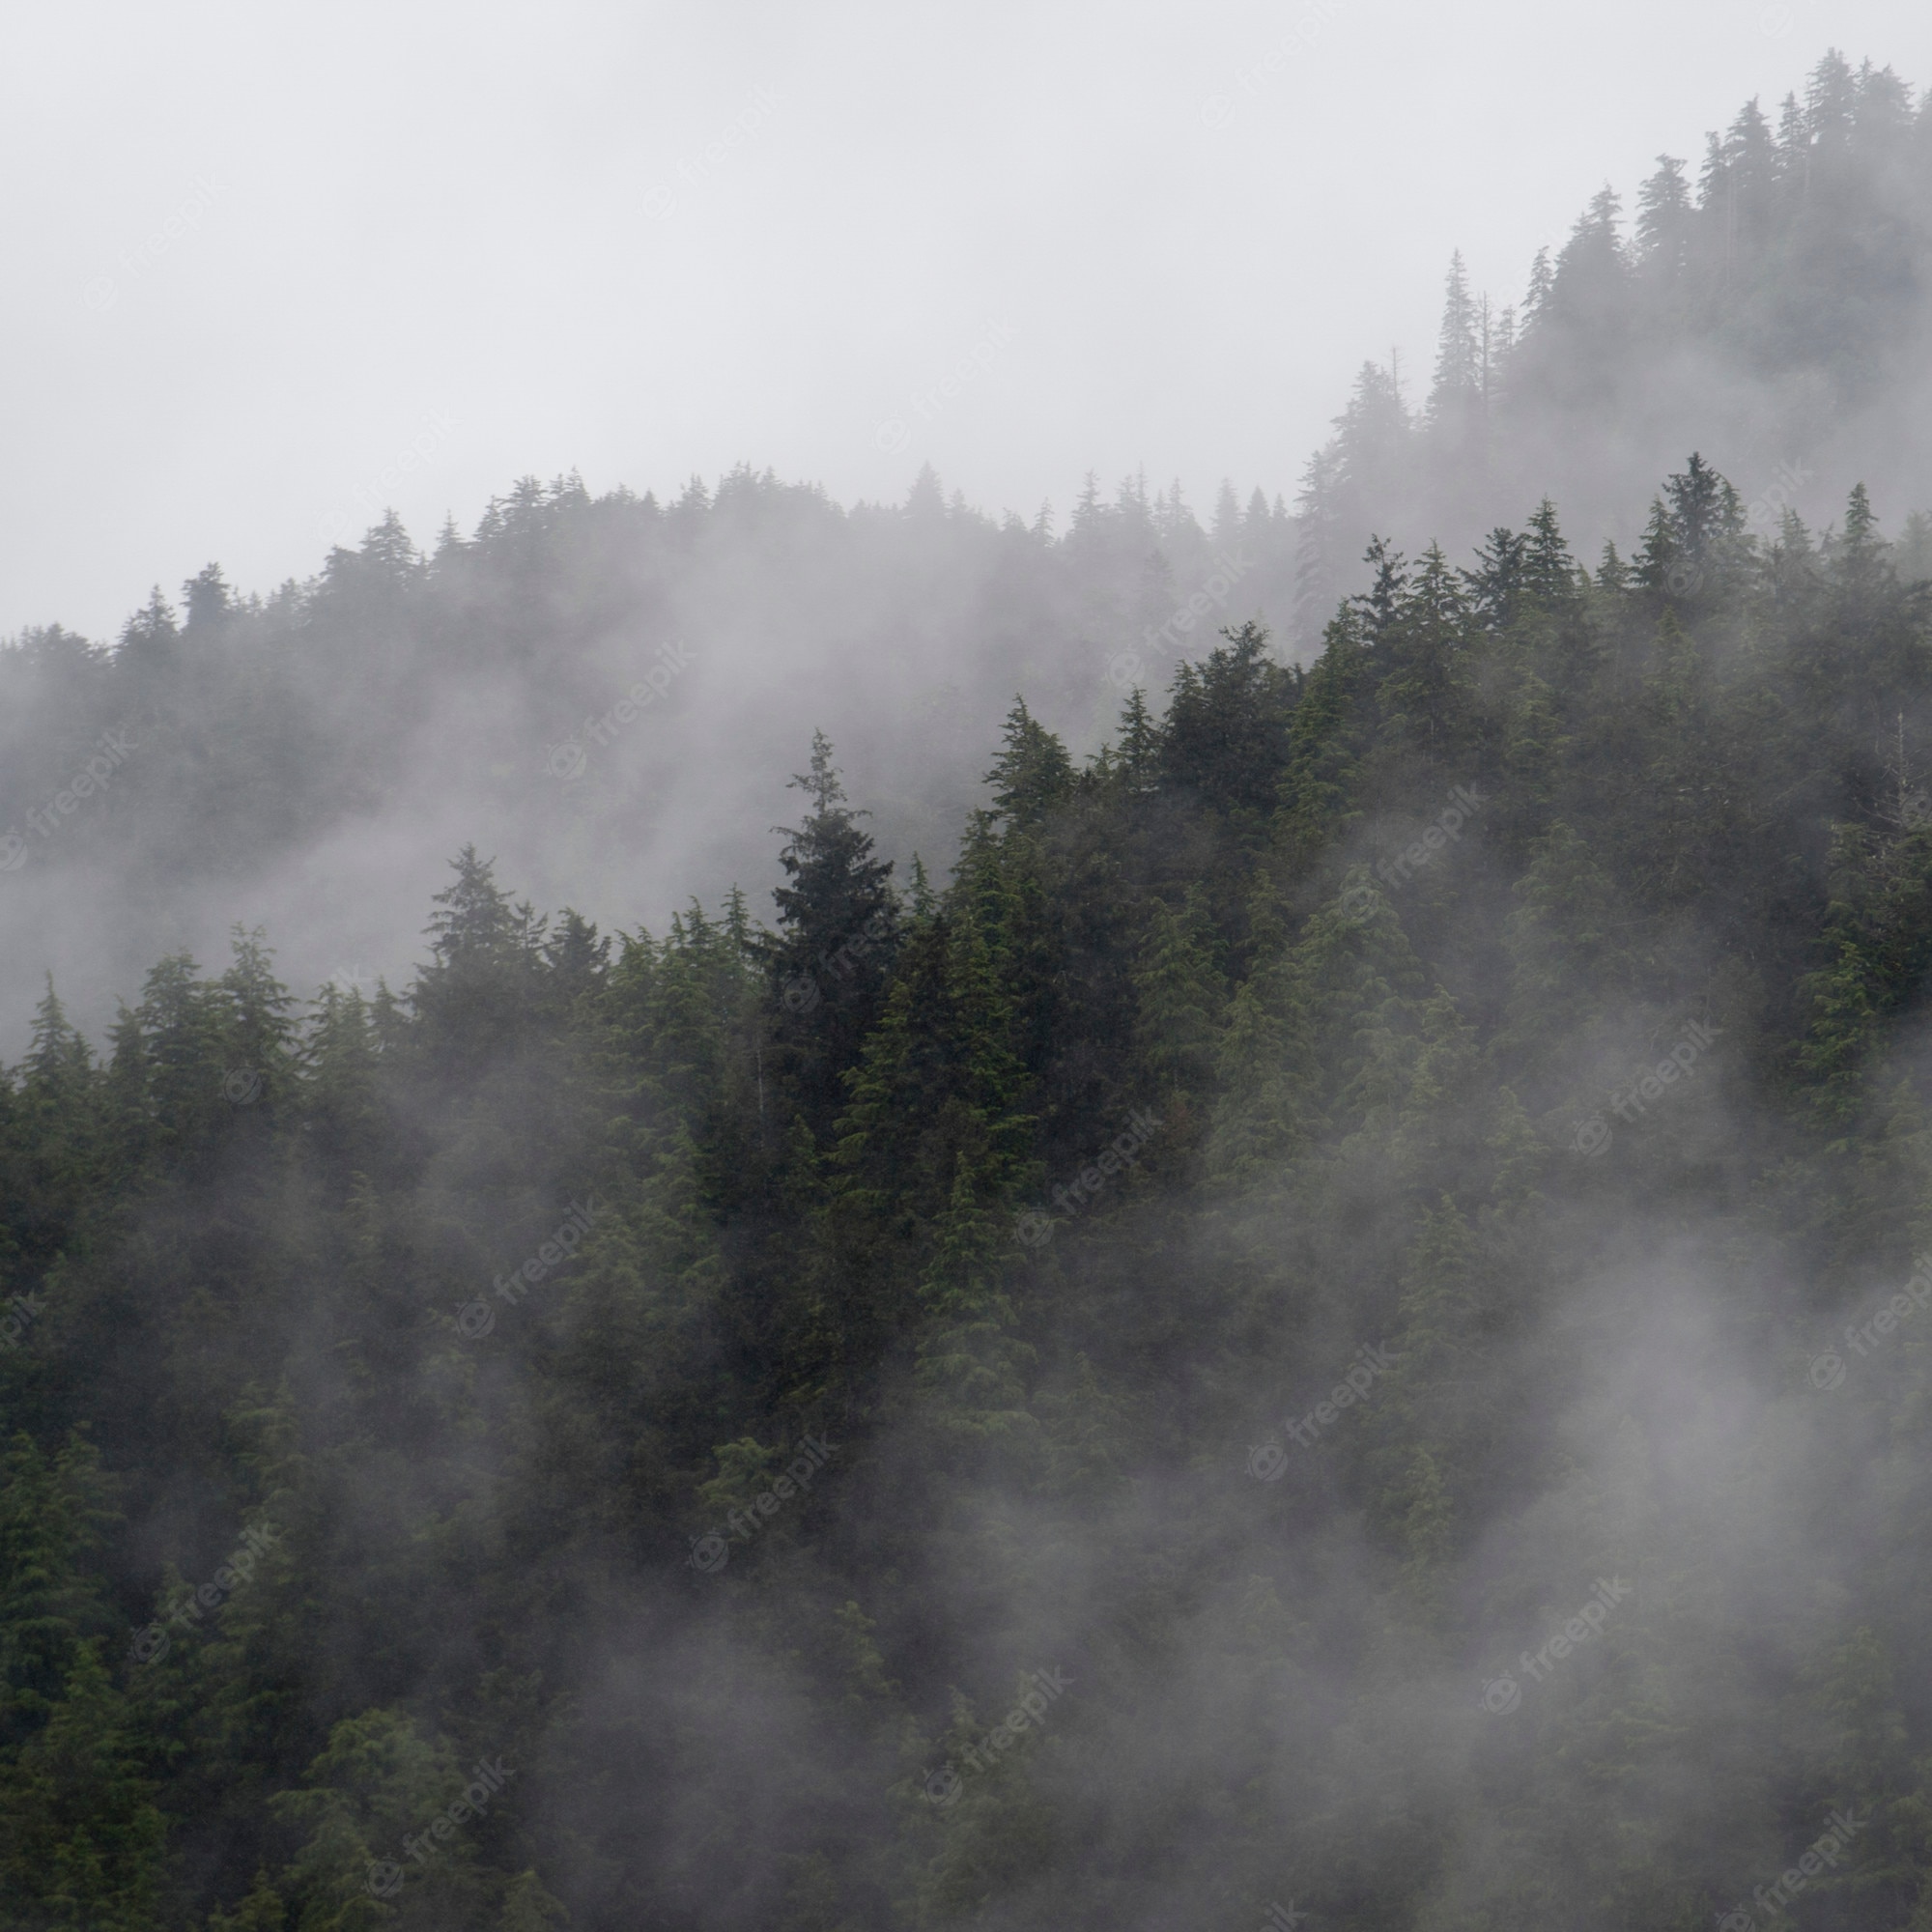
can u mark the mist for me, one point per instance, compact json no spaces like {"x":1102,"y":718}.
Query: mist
{"x":989,"y":998}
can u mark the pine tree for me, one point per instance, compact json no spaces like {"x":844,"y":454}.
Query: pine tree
{"x":1550,"y":572}
{"x":1455,"y":398}
{"x":1032,"y":775}
{"x":1497,"y":583}
{"x":81,"y":1839}
{"x":477,"y":997}
{"x":1420,"y":696}
{"x":1664,"y":221}
{"x":1226,"y":735}
{"x":1182,"y":994}
{"x":838,"y":928}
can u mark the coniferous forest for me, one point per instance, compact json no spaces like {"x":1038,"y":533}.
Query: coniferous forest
{"x":1324,"y":1316}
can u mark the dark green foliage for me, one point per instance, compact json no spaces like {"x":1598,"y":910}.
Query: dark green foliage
{"x":1764,"y":308}
{"x":716,"y":1379}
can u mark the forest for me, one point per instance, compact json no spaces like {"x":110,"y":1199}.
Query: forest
{"x":1313,"y":1316}
{"x":849,"y":1418}
{"x":309,"y":754}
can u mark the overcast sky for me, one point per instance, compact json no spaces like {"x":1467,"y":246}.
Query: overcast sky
{"x":275,"y":266}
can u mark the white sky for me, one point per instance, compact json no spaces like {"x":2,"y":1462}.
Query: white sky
{"x":466,"y":227}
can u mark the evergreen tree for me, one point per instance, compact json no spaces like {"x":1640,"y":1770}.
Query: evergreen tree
{"x":838,"y":928}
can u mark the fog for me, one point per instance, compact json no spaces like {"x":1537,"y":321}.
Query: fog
{"x":415,"y":257}
{"x":1305,"y":1165}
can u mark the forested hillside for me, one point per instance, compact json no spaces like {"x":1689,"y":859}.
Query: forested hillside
{"x":1771,"y":302}
{"x":1323,"y":1326}
{"x":602,"y":688}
